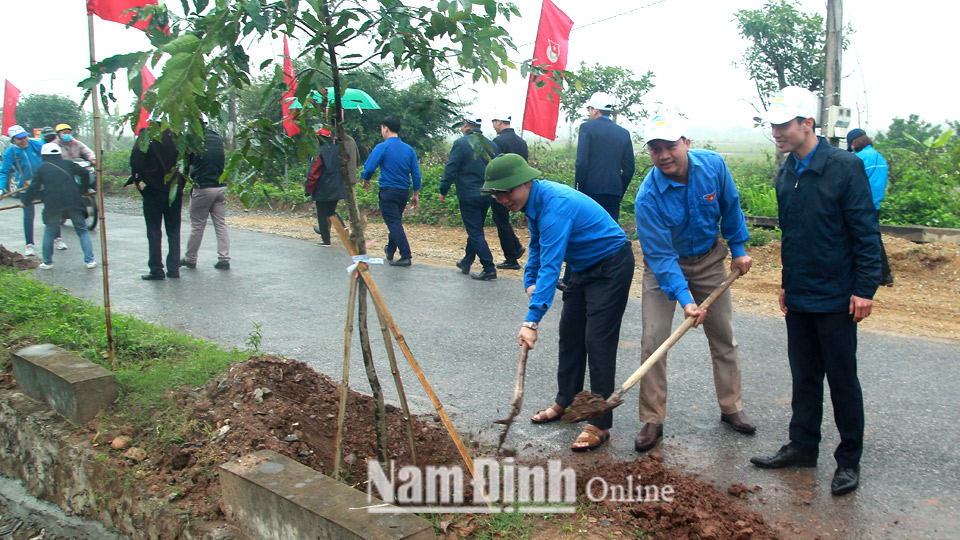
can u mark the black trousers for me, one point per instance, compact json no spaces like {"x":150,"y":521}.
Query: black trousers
{"x":158,"y":210}
{"x":474,"y":214}
{"x":821,"y":344}
{"x":509,"y":242}
{"x":884,"y":263}
{"x":325,"y":209}
{"x":593,"y":305}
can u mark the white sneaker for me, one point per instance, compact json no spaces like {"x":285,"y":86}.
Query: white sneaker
{"x":45,"y":266}
{"x":92,"y":264}
{"x":30,"y":251}
{"x":58,"y":244}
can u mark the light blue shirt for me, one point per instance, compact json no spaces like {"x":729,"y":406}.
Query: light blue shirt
{"x":876,"y":168}
{"x":681,"y":220}
{"x":398,"y":164}
{"x":565,"y":225}
{"x":22,"y":162}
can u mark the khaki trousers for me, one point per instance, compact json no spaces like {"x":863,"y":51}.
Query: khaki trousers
{"x":703,"y":274}
{"x":206,"y":203}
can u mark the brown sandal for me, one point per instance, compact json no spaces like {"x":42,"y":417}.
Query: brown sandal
{"x":550,"y":414}
{"x":592,"y":436}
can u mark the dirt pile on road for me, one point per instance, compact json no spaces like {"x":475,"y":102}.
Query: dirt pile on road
{"x":12,"y":259}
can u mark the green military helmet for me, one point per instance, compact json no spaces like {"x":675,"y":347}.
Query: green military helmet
{"x":506,"y":172}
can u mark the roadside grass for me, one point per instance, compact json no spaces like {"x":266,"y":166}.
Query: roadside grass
{"x":151,"y":360}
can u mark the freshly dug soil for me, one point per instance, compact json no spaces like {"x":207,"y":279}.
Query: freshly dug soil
{"x":12,"y":259}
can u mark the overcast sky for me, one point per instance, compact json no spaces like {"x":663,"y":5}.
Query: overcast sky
{"x":901,"y":60}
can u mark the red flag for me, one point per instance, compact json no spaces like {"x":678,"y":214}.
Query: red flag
{"x":542,"y":109}
{"x":289,"y":124}
{"x":147,"y":80}
{"x":11,"y":95}
{"x":113,"y":10}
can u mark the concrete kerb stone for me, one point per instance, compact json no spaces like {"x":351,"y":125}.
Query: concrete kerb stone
{"x":70,"y":385}
{"x":269,"y":495}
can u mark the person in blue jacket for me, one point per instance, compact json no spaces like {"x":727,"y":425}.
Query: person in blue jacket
{"x":22,"y":159}
{"x":830,"y":250}
{"x":566,"y":225}
{"x":876,"y":168}
{"x":399,"y":170}
{"x":605,"y":160}
{"x":682,"y":204}
{"x":465,"y":168}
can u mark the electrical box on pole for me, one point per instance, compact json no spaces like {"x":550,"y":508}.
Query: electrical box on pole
{"x":837,"y":122}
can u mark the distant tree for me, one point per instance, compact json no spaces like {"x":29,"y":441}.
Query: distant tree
{"x":39,"y":110}
{"x":619,"y":82}
{"x":905,"y":133}
{"x":786,"y":47}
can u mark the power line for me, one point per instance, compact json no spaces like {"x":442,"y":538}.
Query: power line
{"x":575,"y":28}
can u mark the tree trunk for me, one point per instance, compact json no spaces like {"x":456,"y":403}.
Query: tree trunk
{"x":380,"y":412}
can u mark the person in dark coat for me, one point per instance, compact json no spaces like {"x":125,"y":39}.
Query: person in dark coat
{"x":324,"y":184}
{"x":831,"y":269}
{"x":151,"y":174}
{"x":508,"y":142}
{"x":62,"y":200}
{"x":605,"y":160}
{"x":208,"y":198}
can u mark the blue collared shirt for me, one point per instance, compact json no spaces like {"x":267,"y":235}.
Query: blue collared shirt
{"x":398,"y":163}
{"x":21,"y":162}
{"x":876,"y":168}
{"x":681,"y":220}
{"x":802,"y":164}
{"x":565,"y":225}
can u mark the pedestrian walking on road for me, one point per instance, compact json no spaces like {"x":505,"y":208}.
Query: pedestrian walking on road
{"x":682,"y":204}
{"x":830,"y":252}
{"x":508,"y":142}
{"x":876,"y":169}
{"x":208,"y":198}
{"x":324,"y":184}
{"x":566,"y":225}
{"x":605,"y":161}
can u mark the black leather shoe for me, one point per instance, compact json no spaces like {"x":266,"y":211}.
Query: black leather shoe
{"x":387,"y":254}
{"x":648,"y":437}
{"x":787,"y":456}
{"x":183,"y":262}
{"x":464,"y":268}
{"x":173,"y":275}
{"x":401,"y":262}
{"x":739,"y":422}
{"x":153,"y":277}
{"x":316,"y":229}
{"x":222,"y":265}
{"x":486,"y":275}
{"x":845,"y":480}
{"x":509,"y":265}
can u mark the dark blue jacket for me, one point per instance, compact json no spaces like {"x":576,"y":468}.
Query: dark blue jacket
{"x":831,"y":238}
{"x":465,"y":167}
{"x":508,"y":142}
{"x":605,"y":159}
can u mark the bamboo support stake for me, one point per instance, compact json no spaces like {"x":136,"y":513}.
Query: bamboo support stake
{"x":347,"y":336}
{"x":408,"y":354}
{"x":392,"y":356}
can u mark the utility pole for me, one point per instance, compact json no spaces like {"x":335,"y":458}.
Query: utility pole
{"x":831,"y":82}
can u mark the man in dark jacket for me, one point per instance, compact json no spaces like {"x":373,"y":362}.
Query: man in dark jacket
{"x":508,"y":142}
{"x":62,"y":200}
{"x":149,"y":175}
{"x":605,"y":161}
{"x":208,"y":199}
{"x":831,"y":269}
{"x":465,"y":168}
{"x":325,"y":184}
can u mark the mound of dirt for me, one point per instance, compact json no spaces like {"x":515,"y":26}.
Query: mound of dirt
{"x":12,"y":259}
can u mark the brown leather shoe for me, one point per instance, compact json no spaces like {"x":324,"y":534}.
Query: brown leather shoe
{"x":739,"y":422}
{"x":648,"y":437}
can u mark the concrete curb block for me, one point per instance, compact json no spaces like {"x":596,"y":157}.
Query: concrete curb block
{"x":913,"y":233}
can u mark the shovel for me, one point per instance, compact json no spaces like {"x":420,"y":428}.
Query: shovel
{"x":517,"y":396}
{"x":586,"y":405}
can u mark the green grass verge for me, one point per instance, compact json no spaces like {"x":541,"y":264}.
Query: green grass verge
{"x":150,"y":360}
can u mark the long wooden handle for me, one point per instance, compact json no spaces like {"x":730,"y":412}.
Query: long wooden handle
{"x":518,"y":385}
{"x":674,"y":337}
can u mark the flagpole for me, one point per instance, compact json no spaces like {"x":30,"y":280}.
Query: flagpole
{"x":98,"y":152}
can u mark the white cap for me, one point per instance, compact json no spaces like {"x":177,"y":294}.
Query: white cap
{"x":471,"y":118}
{"x":16,"y":131}
{"x":665,"y":127}
{"x":50,"y":149}
{"x":789,"y":103}
{"x":502,"y":116}
{"x":601,"y":101}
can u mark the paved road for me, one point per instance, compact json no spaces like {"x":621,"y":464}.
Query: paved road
{"x":462,"y":332}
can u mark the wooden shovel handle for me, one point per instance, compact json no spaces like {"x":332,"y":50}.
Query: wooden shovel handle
{"x":674,"y":337}
{"x":518,"y":385}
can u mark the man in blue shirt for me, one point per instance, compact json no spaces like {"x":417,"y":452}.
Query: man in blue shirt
{"x":566,"y":225}
{"x":468,"y":159}
{"x":681,"y":204}
{"x":605,"y":161}
{"x":876,"y":169}
{"x":22,"y":159}
{"x":831,"y":269}
{"x":398,"y":164}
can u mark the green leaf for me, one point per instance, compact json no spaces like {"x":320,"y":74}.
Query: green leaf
{"x":186,"y":44}
{"x":942,"y":140}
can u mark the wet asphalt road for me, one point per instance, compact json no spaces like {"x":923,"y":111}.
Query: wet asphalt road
{"x":463,"y":334}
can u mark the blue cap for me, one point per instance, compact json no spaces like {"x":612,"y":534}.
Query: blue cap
{"x":853,"y":135}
